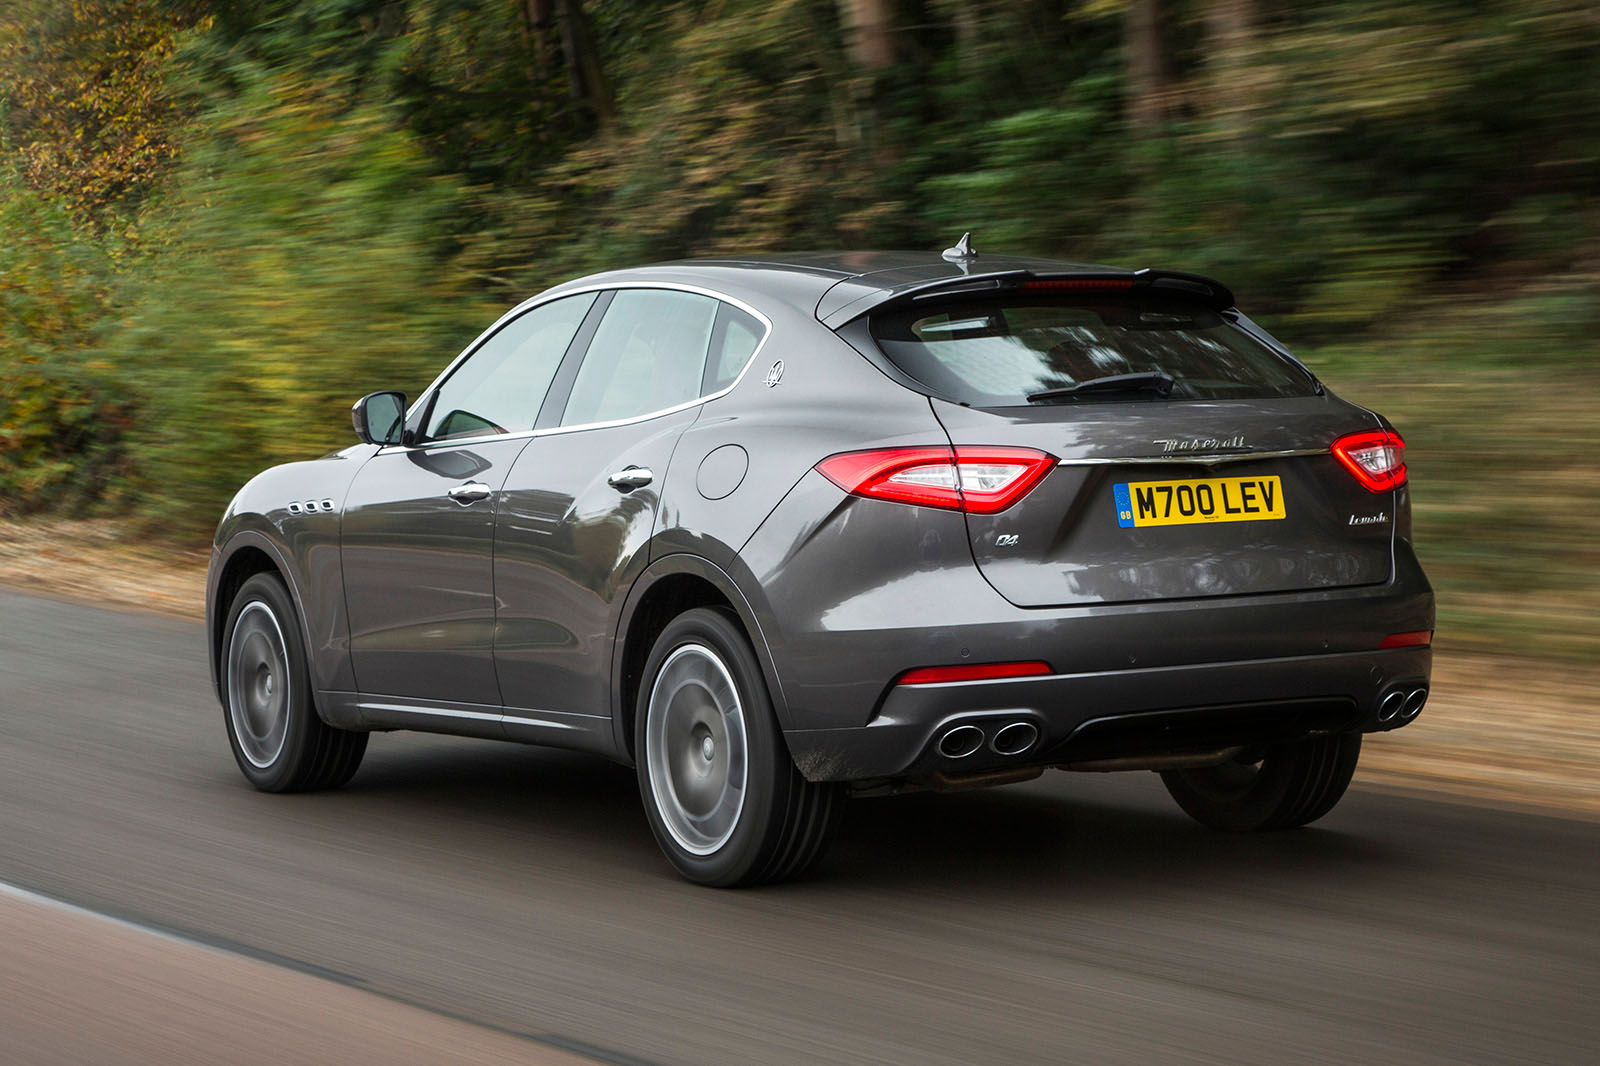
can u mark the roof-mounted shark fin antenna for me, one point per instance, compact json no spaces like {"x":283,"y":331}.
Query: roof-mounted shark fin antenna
{"x":962,"y":251}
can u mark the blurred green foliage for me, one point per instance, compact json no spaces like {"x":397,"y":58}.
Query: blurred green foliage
{"x":265,"y":303}
{"x":220,"y":222}
{"x":62,"y":420}
{"x":1499,"y":402}
{"x":86,"y":114}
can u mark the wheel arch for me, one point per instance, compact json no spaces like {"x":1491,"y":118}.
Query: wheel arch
{"x":669,"y":586}
{"x":247,"y":553}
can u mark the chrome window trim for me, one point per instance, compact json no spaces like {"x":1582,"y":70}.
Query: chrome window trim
{"x":1208,"y":460}
{"x":544,"y":298}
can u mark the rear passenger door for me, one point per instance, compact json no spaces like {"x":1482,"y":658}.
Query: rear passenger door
{"x":580,"y":504}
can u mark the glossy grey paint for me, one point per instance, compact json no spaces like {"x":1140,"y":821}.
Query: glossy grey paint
{"x":1071,"y":550}
{"x":567,"y":548}
{"x":845,"y":620}
{"x":303,"y":547}
{"x":827,"y":401}
{"x":418,"y":572}
{"x":888,"y":274}
{"x":838,"y":593}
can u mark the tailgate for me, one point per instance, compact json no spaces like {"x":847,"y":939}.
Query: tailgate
{"x":1175,"y":500}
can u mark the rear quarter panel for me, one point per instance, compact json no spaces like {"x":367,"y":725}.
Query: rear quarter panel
{"x":825,"y":399}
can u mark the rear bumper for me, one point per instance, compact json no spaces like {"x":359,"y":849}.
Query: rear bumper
{"x":868,"y":589}
{"x":1107,"y":715}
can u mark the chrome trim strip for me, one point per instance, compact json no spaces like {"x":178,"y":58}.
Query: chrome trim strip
{"x":543,"y":298}
{"x":511,"y":719}
{"x":404,"y":708}
{"x":1208,"y":460}
{"x":477,"y":716}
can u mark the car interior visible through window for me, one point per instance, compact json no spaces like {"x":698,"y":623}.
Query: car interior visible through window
{"x":648,"y":354}
{"x":500,"y":387}
{"x":735,"y":340}
{"x":999,"y":353}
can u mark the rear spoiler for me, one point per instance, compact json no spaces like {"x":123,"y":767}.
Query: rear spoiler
{"x":1211,"y":293}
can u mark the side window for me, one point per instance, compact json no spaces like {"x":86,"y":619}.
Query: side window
{"x":735,"y":340}
{"x":648,"y":354}
{"x":501,"y":385}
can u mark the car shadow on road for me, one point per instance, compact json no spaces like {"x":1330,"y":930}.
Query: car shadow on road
{"x":1099,"y":832}
{"x":1062,"y":831}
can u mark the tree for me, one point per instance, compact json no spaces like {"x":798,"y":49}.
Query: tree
{"x":1146,"y":65}
{"x":586,"y":75}
{"x":85,"y":104}
{"x":869,"y":33}
{"x":1230,"y":88}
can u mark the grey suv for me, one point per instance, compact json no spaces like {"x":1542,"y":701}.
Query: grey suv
{"x":780,"y":530}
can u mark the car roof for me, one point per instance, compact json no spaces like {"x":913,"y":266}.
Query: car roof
{"x":840,"y":286}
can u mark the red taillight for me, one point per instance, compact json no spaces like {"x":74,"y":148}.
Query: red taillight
{"x":1420,"y":639}
{"x":1377,"y":459}
{"x":938,"y":675}
{"x":1077,"y":285}
{"x":977,"y":480}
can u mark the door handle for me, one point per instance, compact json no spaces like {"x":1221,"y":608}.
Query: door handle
{"x":471,"y":492}
{"x":629,"y":478}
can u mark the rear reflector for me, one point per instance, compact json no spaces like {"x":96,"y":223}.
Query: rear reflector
{"x":1420,"y":639}
{"x":1377,"y":459}
{"x":938,"y":675}
{"x":976,"y":480}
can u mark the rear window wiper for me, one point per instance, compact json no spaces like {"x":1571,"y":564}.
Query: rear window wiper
{"x":1148,"y":381}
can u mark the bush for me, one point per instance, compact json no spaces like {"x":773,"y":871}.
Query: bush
{"x":298,"y":262}
{"x":59,"y":424}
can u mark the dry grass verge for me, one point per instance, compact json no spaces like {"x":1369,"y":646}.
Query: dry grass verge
{"x":100,"y":562}
{"x":1497,"y":729}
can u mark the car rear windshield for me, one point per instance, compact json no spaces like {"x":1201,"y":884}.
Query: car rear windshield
{"x":997,"y":353}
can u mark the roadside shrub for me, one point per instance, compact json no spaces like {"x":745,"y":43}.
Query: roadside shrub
{"x":60,"y":421}
{"x":297,"y":264}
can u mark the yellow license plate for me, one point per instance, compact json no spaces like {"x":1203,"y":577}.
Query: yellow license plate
{"x":1212,"y":499}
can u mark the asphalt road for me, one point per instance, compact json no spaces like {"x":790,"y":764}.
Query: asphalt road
{"x":1073,"y":919}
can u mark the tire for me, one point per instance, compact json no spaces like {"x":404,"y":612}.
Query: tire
{"x":277,"y":739}
{"x":720,"y":790}
{"x":1293,"y":785}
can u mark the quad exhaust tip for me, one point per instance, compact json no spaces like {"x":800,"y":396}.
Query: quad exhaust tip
{"x":1391,"y":706}
{"x":1007,"y":738}
{"x":1402,"y":705}
{"x":1014,"y":739}
{"x":961,"y":741}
